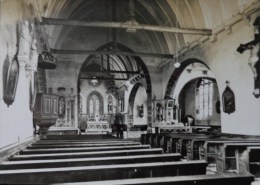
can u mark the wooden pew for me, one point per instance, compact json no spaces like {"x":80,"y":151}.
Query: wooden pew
{"x":157,"y":140}
{"x":209,"y":149}
{"x":175,"y":141}
{"x":150,"y":139}
{"x":228,"y":154}
{"x":55,"y":142}
{"x":143,"y":139}
{"x":224,"y":154}
{"x":193,"y":145}
{"x":249,"y":160}
{"x":251,"y":157}
{"x":188,"y":145}
{"x":88,"y":161}
{"x":80,"y":149}
{"x":102,"y":172}
{"x":86,"y":154}
{"x":166,"y":141}
{"x":230,"y":179}
{"x":42,"y":146}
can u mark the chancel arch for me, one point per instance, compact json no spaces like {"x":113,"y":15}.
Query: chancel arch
{"x":109,"y":74}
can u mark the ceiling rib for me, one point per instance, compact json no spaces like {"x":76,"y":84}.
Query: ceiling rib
{"x":129,"y":25}
{"x":125,"y":53}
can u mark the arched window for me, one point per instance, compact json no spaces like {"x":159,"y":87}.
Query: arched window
{"x":91,"y":106}
{"x":204,"y":95}
{"x":95,"y":103}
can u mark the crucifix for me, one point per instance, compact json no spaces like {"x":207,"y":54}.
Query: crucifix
{"x":254,"y":47}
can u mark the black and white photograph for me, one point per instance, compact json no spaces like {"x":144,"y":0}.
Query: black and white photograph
{"x":130,"y":92}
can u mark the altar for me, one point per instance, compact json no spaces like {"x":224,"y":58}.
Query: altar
{"x":98,"y":126}
{"x":96,"y":123}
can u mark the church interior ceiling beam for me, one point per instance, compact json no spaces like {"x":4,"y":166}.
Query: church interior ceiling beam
{"x":106,"y":52}
{"x":102,"y":78}
{"x":130,"y":26}
{"x":115,"y":71}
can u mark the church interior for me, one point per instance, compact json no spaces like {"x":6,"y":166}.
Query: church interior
{"x":130,"y":92}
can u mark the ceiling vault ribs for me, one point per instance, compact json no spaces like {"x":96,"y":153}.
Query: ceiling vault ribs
{"x":105,"y":52}
{"x":125,"y":25}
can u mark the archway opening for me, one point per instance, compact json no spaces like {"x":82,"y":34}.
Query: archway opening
{"x":199,"y":99}
{"x":195,"y":91}
{"x":109,"y":76}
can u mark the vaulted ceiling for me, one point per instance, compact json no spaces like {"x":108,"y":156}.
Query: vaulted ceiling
{"x":173,"y":13}
{"x":193,"y":14}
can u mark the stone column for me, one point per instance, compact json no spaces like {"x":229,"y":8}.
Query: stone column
{"x":76,"y":111}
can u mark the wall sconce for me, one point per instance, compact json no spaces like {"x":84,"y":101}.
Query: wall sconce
{"x":141,"y":111}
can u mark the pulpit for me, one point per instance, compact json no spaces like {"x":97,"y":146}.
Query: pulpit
{"x":46,"y":112}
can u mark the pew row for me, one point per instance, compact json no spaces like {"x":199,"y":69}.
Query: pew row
{"x":251,"y":157}
{"x":210,"y":148}
{"x":81,"y":149}
{"x":87,"y":154}
{"x":8,"y":165}
{"x":225,"y":179}
{"x":55,"y":142}
{"x":102,"y":172}
{"x":225,"y":156}
{"x":76,"y":145}
{"x":229,"y":154}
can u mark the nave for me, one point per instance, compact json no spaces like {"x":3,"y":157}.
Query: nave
{"x":107,"y":160}
{"x":129,"y":91}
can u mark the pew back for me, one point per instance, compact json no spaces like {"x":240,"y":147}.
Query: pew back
{"x":102,"y":172}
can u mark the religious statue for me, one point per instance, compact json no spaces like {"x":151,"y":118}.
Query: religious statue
{"x":254,"y":64}
{"x":159,"y":110}
{"x":141,"y":111}
{"x":33,"y":61}
{"x":61,"y":110}
{"x":24,"y":39}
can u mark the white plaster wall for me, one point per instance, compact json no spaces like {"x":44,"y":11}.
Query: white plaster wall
{"x":227,"y":64}
{"x":232,"y":66}
{"x":15,"y":120}
{"x":156,"y":75}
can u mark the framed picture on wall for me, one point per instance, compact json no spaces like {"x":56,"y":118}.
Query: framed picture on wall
{"x":11,"y":82}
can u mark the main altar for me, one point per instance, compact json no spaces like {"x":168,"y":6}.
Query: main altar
{"x":95,"y":123}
